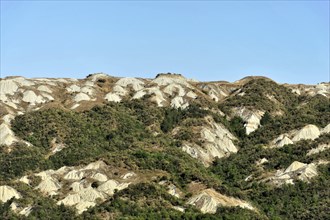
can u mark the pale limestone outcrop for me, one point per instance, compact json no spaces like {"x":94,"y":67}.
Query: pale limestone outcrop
{"x":90,"y":194}
{"x":157,"y":95}
{"x":70,"y":200}
{"x":112,"y":97}
{"x":32,"y":98}
{"x":81,"y":97}
{"x":7,"y":136}
{"x":163,"y":80}
{"x":26,"y":211}
{"x":191,"y":95}
{"x":128,"y":175}
{"x":7,"y":87}
{"x":110,"y":186}
{"x":217,"y":142}
{"x":251,"y":118}
{"x":73,"y":88}
{"x":326,"y":129}
{"x":119,"y":90}
{"x":281,"y":140}
{"x":43,"y":88}
{"x":178,"y":102}
{"x":308,"y":132}
{"x":84,"y":205}
{"x":49,"y":186}
{"x":99,"y":177}
{"x":296,"y":170}
{"x":319,"y":149}
{"x":25,"y":180}
{"x":136,"y":84}
{"x":173,"y":89}
{"x":7,"y":192}
{"x":95,"y":166}
{"x":209,"y":200}
{"x":74,"y":175}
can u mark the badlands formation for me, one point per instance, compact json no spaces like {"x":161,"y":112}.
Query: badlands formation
{"x":88,"y":185}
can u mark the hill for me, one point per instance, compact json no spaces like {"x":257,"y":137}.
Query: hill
{"x":165,"y":148}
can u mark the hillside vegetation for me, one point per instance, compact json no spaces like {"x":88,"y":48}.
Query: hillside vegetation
{"x":139,"y":136}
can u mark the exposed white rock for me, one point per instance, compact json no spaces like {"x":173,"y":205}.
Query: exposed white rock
{"x":81,"y":97}
{"x":110,"y":186}
{"x":128,"y":175}
{"x":326,"y":130}
{"x":30,"y":97}
{"x":139,"y":94}
{"x":294,"y":166}
{"x":179,"y":208}
{"x":7,"y":192}
{"x":155,"y":91}
{"x":192,"y":95}
{"x":319,"y":149}
{"x":77,"y":186}
{"x":97,"y":76}
{"x":26,"y":211}
{"x":99,"y":177}
{"x":7,"y":136}
{"x":73,"y":88}
{"x":23,"y":82}
{"x":89,"y":194}
{"x":251,"y":118}
{"x":119,"y":90}
{"x":262,"y":161}
{"x":47,"y":96}
{"x":70,"y":200}
{"x":308,"y":132}
{"x":83,"y":206}
{"x":284,"y":141}
{"x":164,"y":80}
{"x":296,"y":170}
{"x":75,"y":106}
{"x":136,"y":84}
{"x":8,"y":118}
{"x":172,"y":89}
{"x":25,"y":180}
{"x":172,"y":190}
{"x":209,"y":200}
{"x":112,"y":97}
{"x":217,"y":142}
{"x":178,"y":102}
{"x":74,"y":175}
{"x":87,"y":90}
{"x":7,"y":87}
{"x":49,"y":186}
{"x":44,"y":88}
{"x":95,"y":166}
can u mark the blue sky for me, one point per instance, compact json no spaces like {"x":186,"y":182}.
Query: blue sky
{"x":287,"y":41}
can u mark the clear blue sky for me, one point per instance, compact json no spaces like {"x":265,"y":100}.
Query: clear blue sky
{"x":287,"y":41}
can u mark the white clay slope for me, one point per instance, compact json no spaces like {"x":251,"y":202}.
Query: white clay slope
{"x":7,"y":192}
{"x":209,"y":200}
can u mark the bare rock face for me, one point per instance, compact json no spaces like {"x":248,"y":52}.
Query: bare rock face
{"x":308,"y":132}
{"x":7,"y":192}
{"x":209,"y":200}
{"x":251,"y":118}
{"x":217,"y":142}
{"x":296,"y":170}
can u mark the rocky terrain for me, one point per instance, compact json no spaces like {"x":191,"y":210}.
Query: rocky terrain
{"x":108,"y":148}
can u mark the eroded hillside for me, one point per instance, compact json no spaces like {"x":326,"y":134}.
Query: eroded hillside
{"x":164,"y":148}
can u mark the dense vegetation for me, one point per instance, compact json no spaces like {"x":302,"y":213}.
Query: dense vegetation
{"x":139,"y":136}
